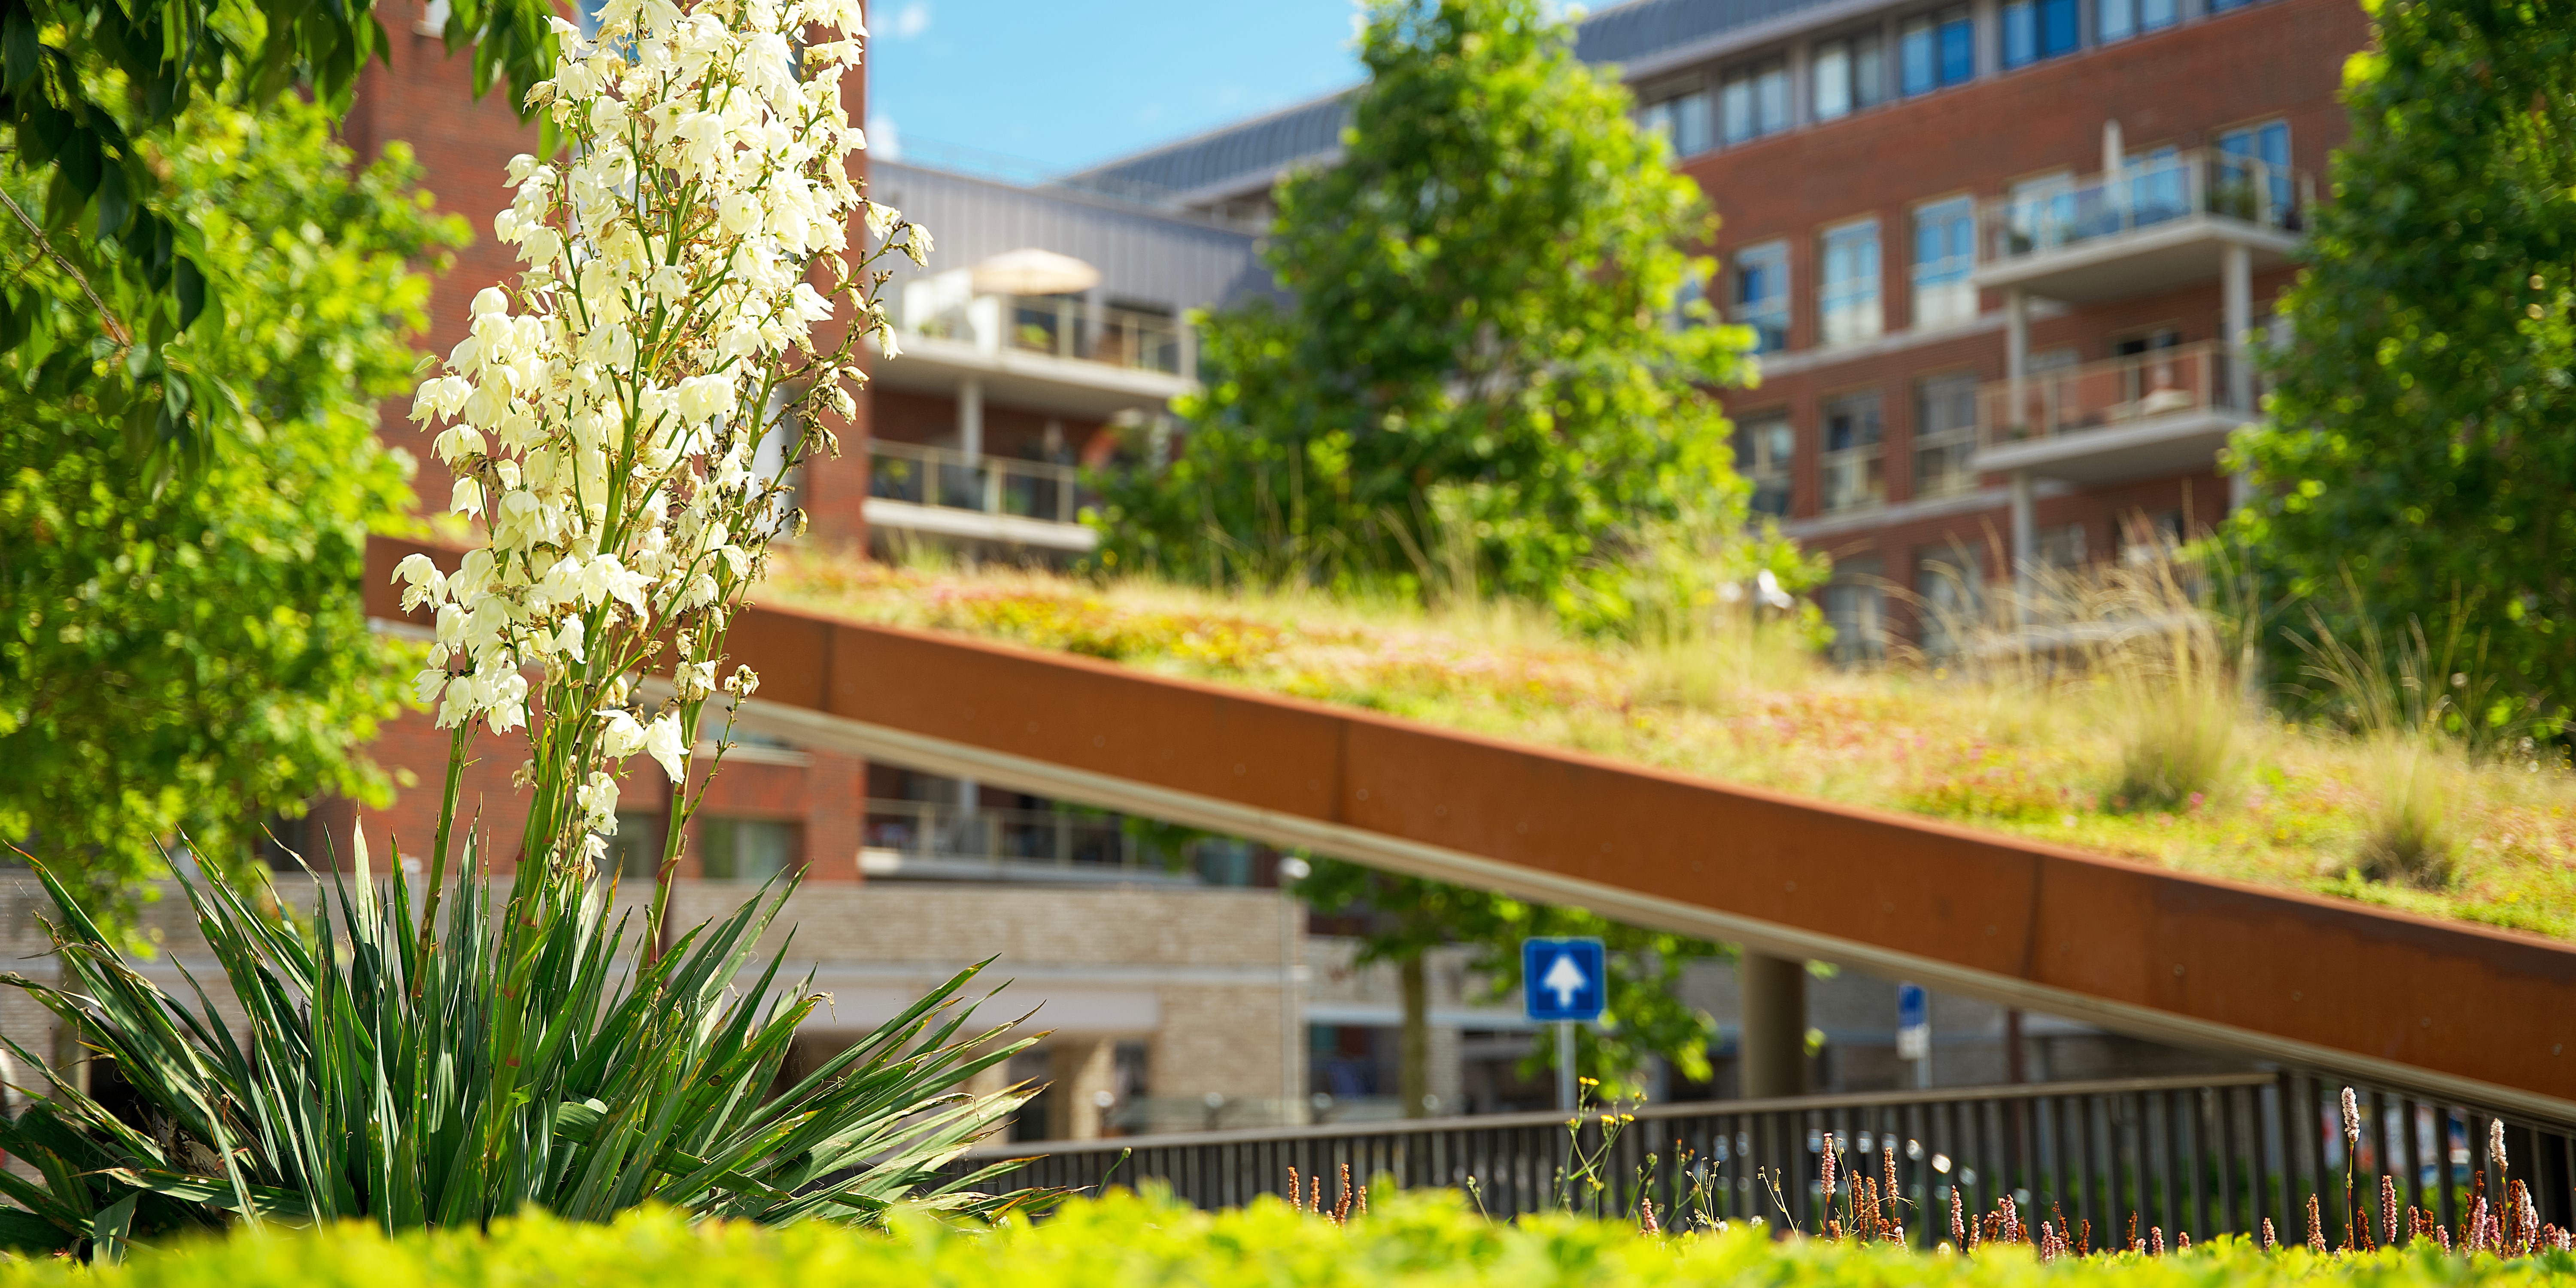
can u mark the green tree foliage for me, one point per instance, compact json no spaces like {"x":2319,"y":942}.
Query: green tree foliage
{"x":192,"y":657}
{"x":1644,"y":1016}
{"x":2418,"y":462}
{"x":90,"y":91}
{"x":1480,"y":380}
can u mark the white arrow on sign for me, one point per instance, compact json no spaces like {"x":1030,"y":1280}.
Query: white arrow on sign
{"x":1565,"y":979}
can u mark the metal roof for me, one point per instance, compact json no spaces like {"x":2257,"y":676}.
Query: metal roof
{"x":1249,"y":155}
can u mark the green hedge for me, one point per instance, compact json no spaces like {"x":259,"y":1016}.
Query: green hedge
{"x":1415,"y":1239}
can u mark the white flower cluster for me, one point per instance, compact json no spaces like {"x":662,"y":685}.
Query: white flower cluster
{"x":603,"y":416}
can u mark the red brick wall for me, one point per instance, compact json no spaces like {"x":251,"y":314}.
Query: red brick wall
{"x":2182,"y":87}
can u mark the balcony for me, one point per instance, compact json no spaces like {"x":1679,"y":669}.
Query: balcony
{"x":1062,"y":352}
{"x":2151,"y":226}
{"x":2141,"y":416}
{"x":933,"y":491}
{"x":927,"y":840}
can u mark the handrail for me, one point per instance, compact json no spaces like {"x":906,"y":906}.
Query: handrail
{"x":1642,"y":1113}
{"x":2120,"y":391}
{"x":951,"y":479}
{"x":2147,"y":194}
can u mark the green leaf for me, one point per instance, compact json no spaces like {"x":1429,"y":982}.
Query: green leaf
{"x":191,"y":290}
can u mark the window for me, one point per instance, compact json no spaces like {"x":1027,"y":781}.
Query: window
{"x":1848,"y":303}
{"x":2037,"y":214}
{"x":1755,"y":100}
{"x":1849,"y":74}
{"x":1937,"y":50}
{"x":2253,"y":180}
{"x":635,"y":853}
{"x":1683,"y":121}
{"x":1852,"y":468}
{"x":2061,"y":549}
{"x":1690,"y":304}
{"x":2121,"y":19}
{"x":2037,"y":29}
{"x":1762,"y":294}
{"x":745,"y":849}
{"x":1763,"y":445}
{"x":1945,"y":251}
{"x":1857,"y":610}
{"x":1945,"y":435}
{"x":1949,"y":601}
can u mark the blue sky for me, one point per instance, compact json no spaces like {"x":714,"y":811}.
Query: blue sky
{"x":1059,"y":85}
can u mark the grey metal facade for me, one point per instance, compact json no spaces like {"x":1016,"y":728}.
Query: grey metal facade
{"x":1145,"y":257}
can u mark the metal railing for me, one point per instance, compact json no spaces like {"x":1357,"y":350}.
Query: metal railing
{"x":1061,"y":325}
{"x":2206,"y":1155}
{"x":2101,"y":395}
{"x":2144,"y":194}
{"x":956,"y":480}
{"x":1057,"y":838}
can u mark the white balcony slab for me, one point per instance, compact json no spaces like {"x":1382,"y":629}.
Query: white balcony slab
{"x":2177,"y":252}
{"x":2141,"y":449}
{"x":976,"y":525}
{"x":1072,"y":386}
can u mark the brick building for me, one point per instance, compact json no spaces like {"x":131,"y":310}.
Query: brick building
{"x":2002,"y":257}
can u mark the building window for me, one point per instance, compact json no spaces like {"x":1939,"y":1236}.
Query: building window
{"x":1949,"y":601}
{"x":2061,"y":549}
{"x":1755,"y":100}
{"x":1847,"y":304}
{"x":635,"y":853}
{"x":1857,"y":610}
{"x":1852,"y":467}
{"x":1849,"y":74}
{"x":1945,"y":252}
{"x":1763,"y":445}
{"x":1762,"y":294}
{"x":1683,"y":120}
{"x":745,"y":849}
{"x":2254,"y":175}
{"x":1937,"y":50}
{"x":2037,"y":29}
{"x":1945,"y":435}
{"x":2121,"y":19}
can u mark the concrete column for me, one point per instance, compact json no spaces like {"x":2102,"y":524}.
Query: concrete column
{"x":1771,"y":1056}
{"x":2236,"y":294}
{"x":1083,"y":1072}
{"x":2025,"y":543}
{"x":970,"y":417}
{"x":2115,"y":152}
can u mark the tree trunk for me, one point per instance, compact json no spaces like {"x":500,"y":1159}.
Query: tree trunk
{"x":1413,"y":1050}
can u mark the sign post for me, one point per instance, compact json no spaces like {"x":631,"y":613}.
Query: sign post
{"x":1914,"y":1031}
{"x":1563,"y":982}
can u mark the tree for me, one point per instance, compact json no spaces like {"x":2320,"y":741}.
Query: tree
{"x":194,"y":657}
{"x":90,"y":90}
{"x":1406,"y":917}
{"x":1485,"y":379}
{"x":2416,"y":465}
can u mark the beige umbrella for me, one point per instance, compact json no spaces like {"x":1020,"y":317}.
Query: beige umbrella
{"x":1030,"y":271}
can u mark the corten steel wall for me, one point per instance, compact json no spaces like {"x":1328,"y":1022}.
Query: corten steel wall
{"x":2402,"y":999}
{"x":2181,"y":87}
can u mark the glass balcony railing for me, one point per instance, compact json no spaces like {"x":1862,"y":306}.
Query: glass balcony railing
{"x":1062,"y":326}
{"x":2143,"y":195}
{"x":954,"y":480}
{"x":2123,"y":391}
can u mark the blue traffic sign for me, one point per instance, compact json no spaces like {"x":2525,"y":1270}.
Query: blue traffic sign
{"x":1913,"y":1008}
{"x":1561,"y":979}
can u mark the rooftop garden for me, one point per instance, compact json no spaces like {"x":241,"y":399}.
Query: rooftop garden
{"x":2130,"y":734}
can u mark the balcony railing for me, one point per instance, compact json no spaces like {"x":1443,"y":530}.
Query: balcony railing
{"x":2102,"y":395}
{"x":2144,"y":195}
{"x":1050,"y":838}
{"x":2107,"y":1160}
{"x":1062,"y":326}
{"x":954,"y":480}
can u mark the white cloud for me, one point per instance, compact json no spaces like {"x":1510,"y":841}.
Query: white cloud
{"x":885,"y":143}
{"x":912,"y":21}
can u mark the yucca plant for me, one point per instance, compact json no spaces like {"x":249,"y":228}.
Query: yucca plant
{"x":382,"y":1074}
{"x":690,"y":299}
